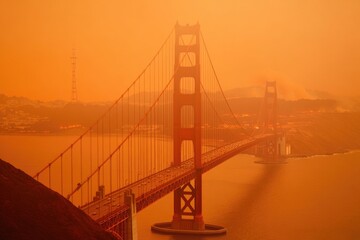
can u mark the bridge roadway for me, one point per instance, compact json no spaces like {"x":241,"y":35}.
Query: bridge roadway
{"x":111,"y":210}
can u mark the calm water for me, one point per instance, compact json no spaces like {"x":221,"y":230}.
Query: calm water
{"x":307,"y":198}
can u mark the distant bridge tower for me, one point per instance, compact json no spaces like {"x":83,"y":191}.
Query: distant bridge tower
{"x":74,"y":96}
{"x":270,"y":108}
{"x":270,"y":121}
{"x":275,"y":147}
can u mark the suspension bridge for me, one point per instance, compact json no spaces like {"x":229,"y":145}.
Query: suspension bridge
{"x":171,"y":125}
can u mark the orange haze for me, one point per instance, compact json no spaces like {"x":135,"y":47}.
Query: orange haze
{"x":310,"y":44}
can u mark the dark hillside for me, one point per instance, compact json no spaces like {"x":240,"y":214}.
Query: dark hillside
{"x":29,"y":210}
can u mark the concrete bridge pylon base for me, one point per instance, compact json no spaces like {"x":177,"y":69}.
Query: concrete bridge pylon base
{"x":274,"y":162}
{"x":167,"y":228}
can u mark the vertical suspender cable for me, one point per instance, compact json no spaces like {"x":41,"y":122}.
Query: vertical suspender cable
{"x":49,"y":175}
{"x":81,"y":172}
{"x":72,"y":170}
{"x":61,"y":175}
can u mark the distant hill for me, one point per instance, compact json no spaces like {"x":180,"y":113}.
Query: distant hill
{"x":21,"y":115}
{"x":245,"y":92}
{"x":29,"y":210}
{"x":286,"y":94}
{"x":324,"y":133}
{"x":22,"y":101}
{"x":299,"y":99}
{"x":285,"y":107}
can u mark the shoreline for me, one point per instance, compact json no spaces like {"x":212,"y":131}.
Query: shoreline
{"x":292,"y":156}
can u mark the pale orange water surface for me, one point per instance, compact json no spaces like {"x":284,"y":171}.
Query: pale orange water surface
{"x":308,"y":198}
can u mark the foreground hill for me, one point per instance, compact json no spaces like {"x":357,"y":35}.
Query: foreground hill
{"x":29,"y":210}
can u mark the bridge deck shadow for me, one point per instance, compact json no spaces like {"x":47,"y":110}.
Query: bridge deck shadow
{"x":245,"y":204}
{"x":245,"y":207}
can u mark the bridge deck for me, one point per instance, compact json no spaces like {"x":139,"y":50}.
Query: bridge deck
{"x":112,"y":208}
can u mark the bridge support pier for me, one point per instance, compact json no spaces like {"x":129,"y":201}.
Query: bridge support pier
{"x":273,"y":151}
{"x":188,"y":206}
{"x":131,"y":225}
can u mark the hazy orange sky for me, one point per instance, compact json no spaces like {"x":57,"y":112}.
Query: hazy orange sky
{"x":306,"y":44}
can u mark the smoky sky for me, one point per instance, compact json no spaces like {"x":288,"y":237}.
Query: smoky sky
{"x":302,"y":44}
